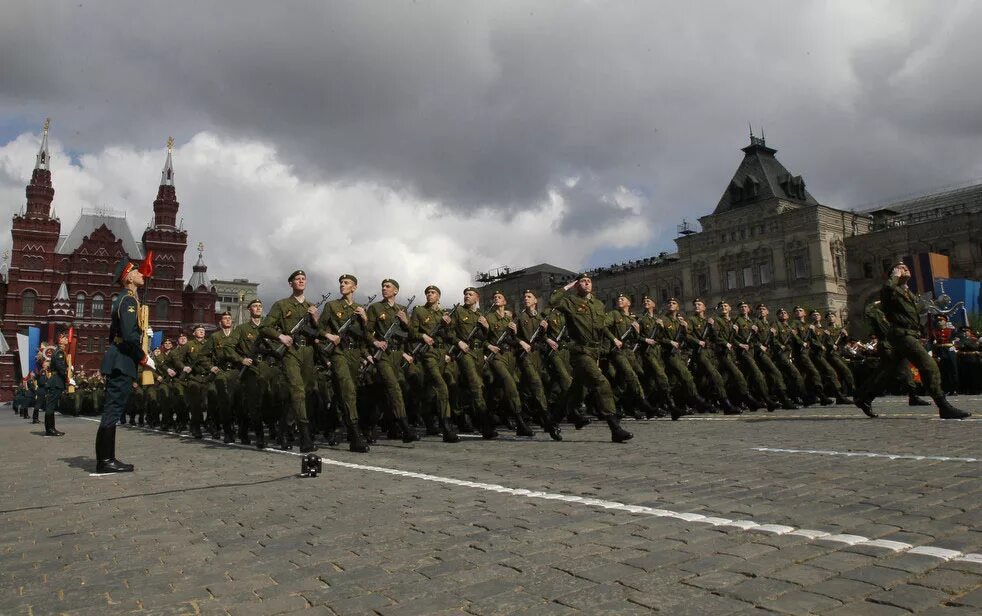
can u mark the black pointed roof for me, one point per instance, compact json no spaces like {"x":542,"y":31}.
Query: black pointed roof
{"x":760,"y":177}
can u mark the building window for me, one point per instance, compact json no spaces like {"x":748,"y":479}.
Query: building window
{"x":162,"y":309}
{"x":102,"y":267}
{"x":799,"y":266}
{"x":867,"y":270}
{"x":88,"y":345}
{"x":28,"y":302}
{"x":664,"y":296}
{"x":98,"y":307}
{"x":887,"y":265}
{"x":199,"y":315}
{"x":702,"y":283}
{"x":764,"y":272}
{"x":731,"y":279}
{"x":748,"y":276}
{"x":80,"y":305}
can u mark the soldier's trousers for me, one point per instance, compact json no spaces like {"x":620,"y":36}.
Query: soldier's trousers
{"x":904,"y":348}
{"x":707,"y":371}
{"x":626,"y":372}
{"x":471,"y":383}
{"x":298,"y":369}
{"x":587,"y":376}
{"x":771,"y":372}
{"x":734,"y":377}
{"x":502,"y":368}
{"x":530,"y":366}
{"x":345,"y":364}
{"x":843,"y":371}
{"x":432,"y":365}
{"x":390,"y":383}
{"x":675,"y":366}
{"x":653,"y":371}
{"x":220,"y":392}
{"x":755,"y":378}
{"x":813,"y":379}
{"x":560,"y":378}
{"x":792,"y":375}
{"x":829,"y":377}
{"x":119,"y":388}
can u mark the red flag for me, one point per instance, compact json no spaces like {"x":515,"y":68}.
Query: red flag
{"x":146,"y":268}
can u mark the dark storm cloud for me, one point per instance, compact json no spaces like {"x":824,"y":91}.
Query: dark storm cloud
{"x":492,"y":105}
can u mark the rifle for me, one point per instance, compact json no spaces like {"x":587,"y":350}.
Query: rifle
{"x":280,"y":350}
{"x":498,"y":343}
{"x":456,"y":352}
{"x":531,"y":340}
{"x":559,"y":336}
{"x":377,"y":355}
{"x":327,"y":347}
{"x":419,"y":345}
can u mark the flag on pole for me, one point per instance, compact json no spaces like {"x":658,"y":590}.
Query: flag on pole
{"x":25,"y":354}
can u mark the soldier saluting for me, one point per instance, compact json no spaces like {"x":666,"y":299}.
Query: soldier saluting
{"x":122,"y":357}
{"x":900,"y":308}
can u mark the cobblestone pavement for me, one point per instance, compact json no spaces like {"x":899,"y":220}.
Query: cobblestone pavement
{"x":758,"y":514}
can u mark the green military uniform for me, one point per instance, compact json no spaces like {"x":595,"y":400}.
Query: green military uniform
{"x":221,"y":386}
{"x":466,"y":328}
{"x":724,"y":341}
{"x":255,"y":380}
{"x":765,"y":361}
{"x":746,"y":333}
{"x":820,"y":344}
{"x":674,"y":328}
{"x":428,"y":320}
{"x":346,"y":358}
{"x":194,"y":363}
{"x":589,"y":330}
{"x":701,"y":330}
{"x":835,"y":341}
{"x":623,"y":362}
{"x":802,"y":338}
{"x":781,"y":347}
{"x":655,"y":380}
{"x":503,"y":366}
{"x":381,"y":317}
{"x":297,"y":365}
{"x":57,"y":383}
{"x":558,"y":370}
{"x":899,"y":306}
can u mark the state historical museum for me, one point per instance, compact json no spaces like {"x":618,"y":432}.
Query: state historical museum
{"x":57,"y":280}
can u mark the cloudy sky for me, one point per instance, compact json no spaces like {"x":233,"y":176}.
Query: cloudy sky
{"x":431,"y":140}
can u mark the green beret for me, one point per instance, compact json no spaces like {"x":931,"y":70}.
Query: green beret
{"x":797,"y":308}
{"x":672,"y":299}
{"x":197,"y":326}
{"x":697,"y":300}
{"x":743,"y":303}
{"x":582,"y":275}
{"x":299,"y":272}
{"x":432,"y":287}
{"x":759,"y":306}
{"x":255,"y":301}
{"x":391,"y":281}
{"x":499,"y":292}
{"x":474,"y":289}
{"x":350,"y":277}
{"x":530,"y":292}
{"x":780,"y":310}
{"x":226,"y":313}
{"x":719,"y":305}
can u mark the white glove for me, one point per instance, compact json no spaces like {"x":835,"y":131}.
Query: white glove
{"x":149,"y":332}
{"x":150,"y":364}
{"x":71,"y":382}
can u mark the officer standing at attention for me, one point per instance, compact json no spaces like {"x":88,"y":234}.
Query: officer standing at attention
{"x":56,"y":385}
{"x":588,"y":324}
{"x":119,"y":365}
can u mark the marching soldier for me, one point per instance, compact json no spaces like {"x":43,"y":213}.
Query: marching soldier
{"x":426,"y":327}
{"x":387,"y":322}
{"x":803,"y":338}
{"x":652,"y":335}
{"x":343,"y":324}
{"x":248,"y":349}
{"x":726,"y":355}
{"x":900,"y":308}
{"x":837,"y":337}
{"x":782,"y":348}
{"x":589,"y":326}
{"x":221,"y":389}
{"x":880,"y":326}
{"x":765,"y":361}
{"x":821,"y":343}
{"x":298,"y":356}
{"x":747,"y":337}
{"x":700,"y":336}
{"x":624,"y":328}
{"x":531,"y":326}
{"x":501,"y":361}
{"x":468,"y":333}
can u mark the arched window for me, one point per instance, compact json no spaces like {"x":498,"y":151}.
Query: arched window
{"x":162,"y":310}
{"x":98,"y":308}
{"x":28,"y":302}
{"x":199,"y":315}
{"x":80,"y":305}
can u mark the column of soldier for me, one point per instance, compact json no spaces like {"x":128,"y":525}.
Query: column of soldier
{"x":344,"y":369}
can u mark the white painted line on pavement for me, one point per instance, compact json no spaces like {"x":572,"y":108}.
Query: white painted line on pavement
{"x":780,"y":529}
{"x":866,"y":454}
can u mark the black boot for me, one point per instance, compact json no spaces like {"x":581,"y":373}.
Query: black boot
{"x":753,"y":403}
{"x":408,"y":432}
{"x":432,"y":425}
{"x":521,"y":428}
{"x":579,"y":421}
{"x":306,"y":442}
{"x":787,"y":403}
{"x":866,"y":406}
{"x":487,"y":431}
{"x":282,"y":439}
{"x":244,"y":433}
{"x":356,"y":442}
{"x":106,"y":453}
{"x":649,"y":410}
{"x":49,"y":425}
{"x":617,"y":433}
{"x":553,"y":429}
{"x":257,"y":426}
{"x":946,"y":411}
{"x":34,"y":418}
{"x":843,"y":399}
{"x":728,"y":408}
{"x":448,"y":429}
{"x":914,"y":400}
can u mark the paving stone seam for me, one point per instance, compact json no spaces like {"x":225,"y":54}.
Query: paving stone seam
{"x":865,"y":454}
{"x":942,"y":554}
